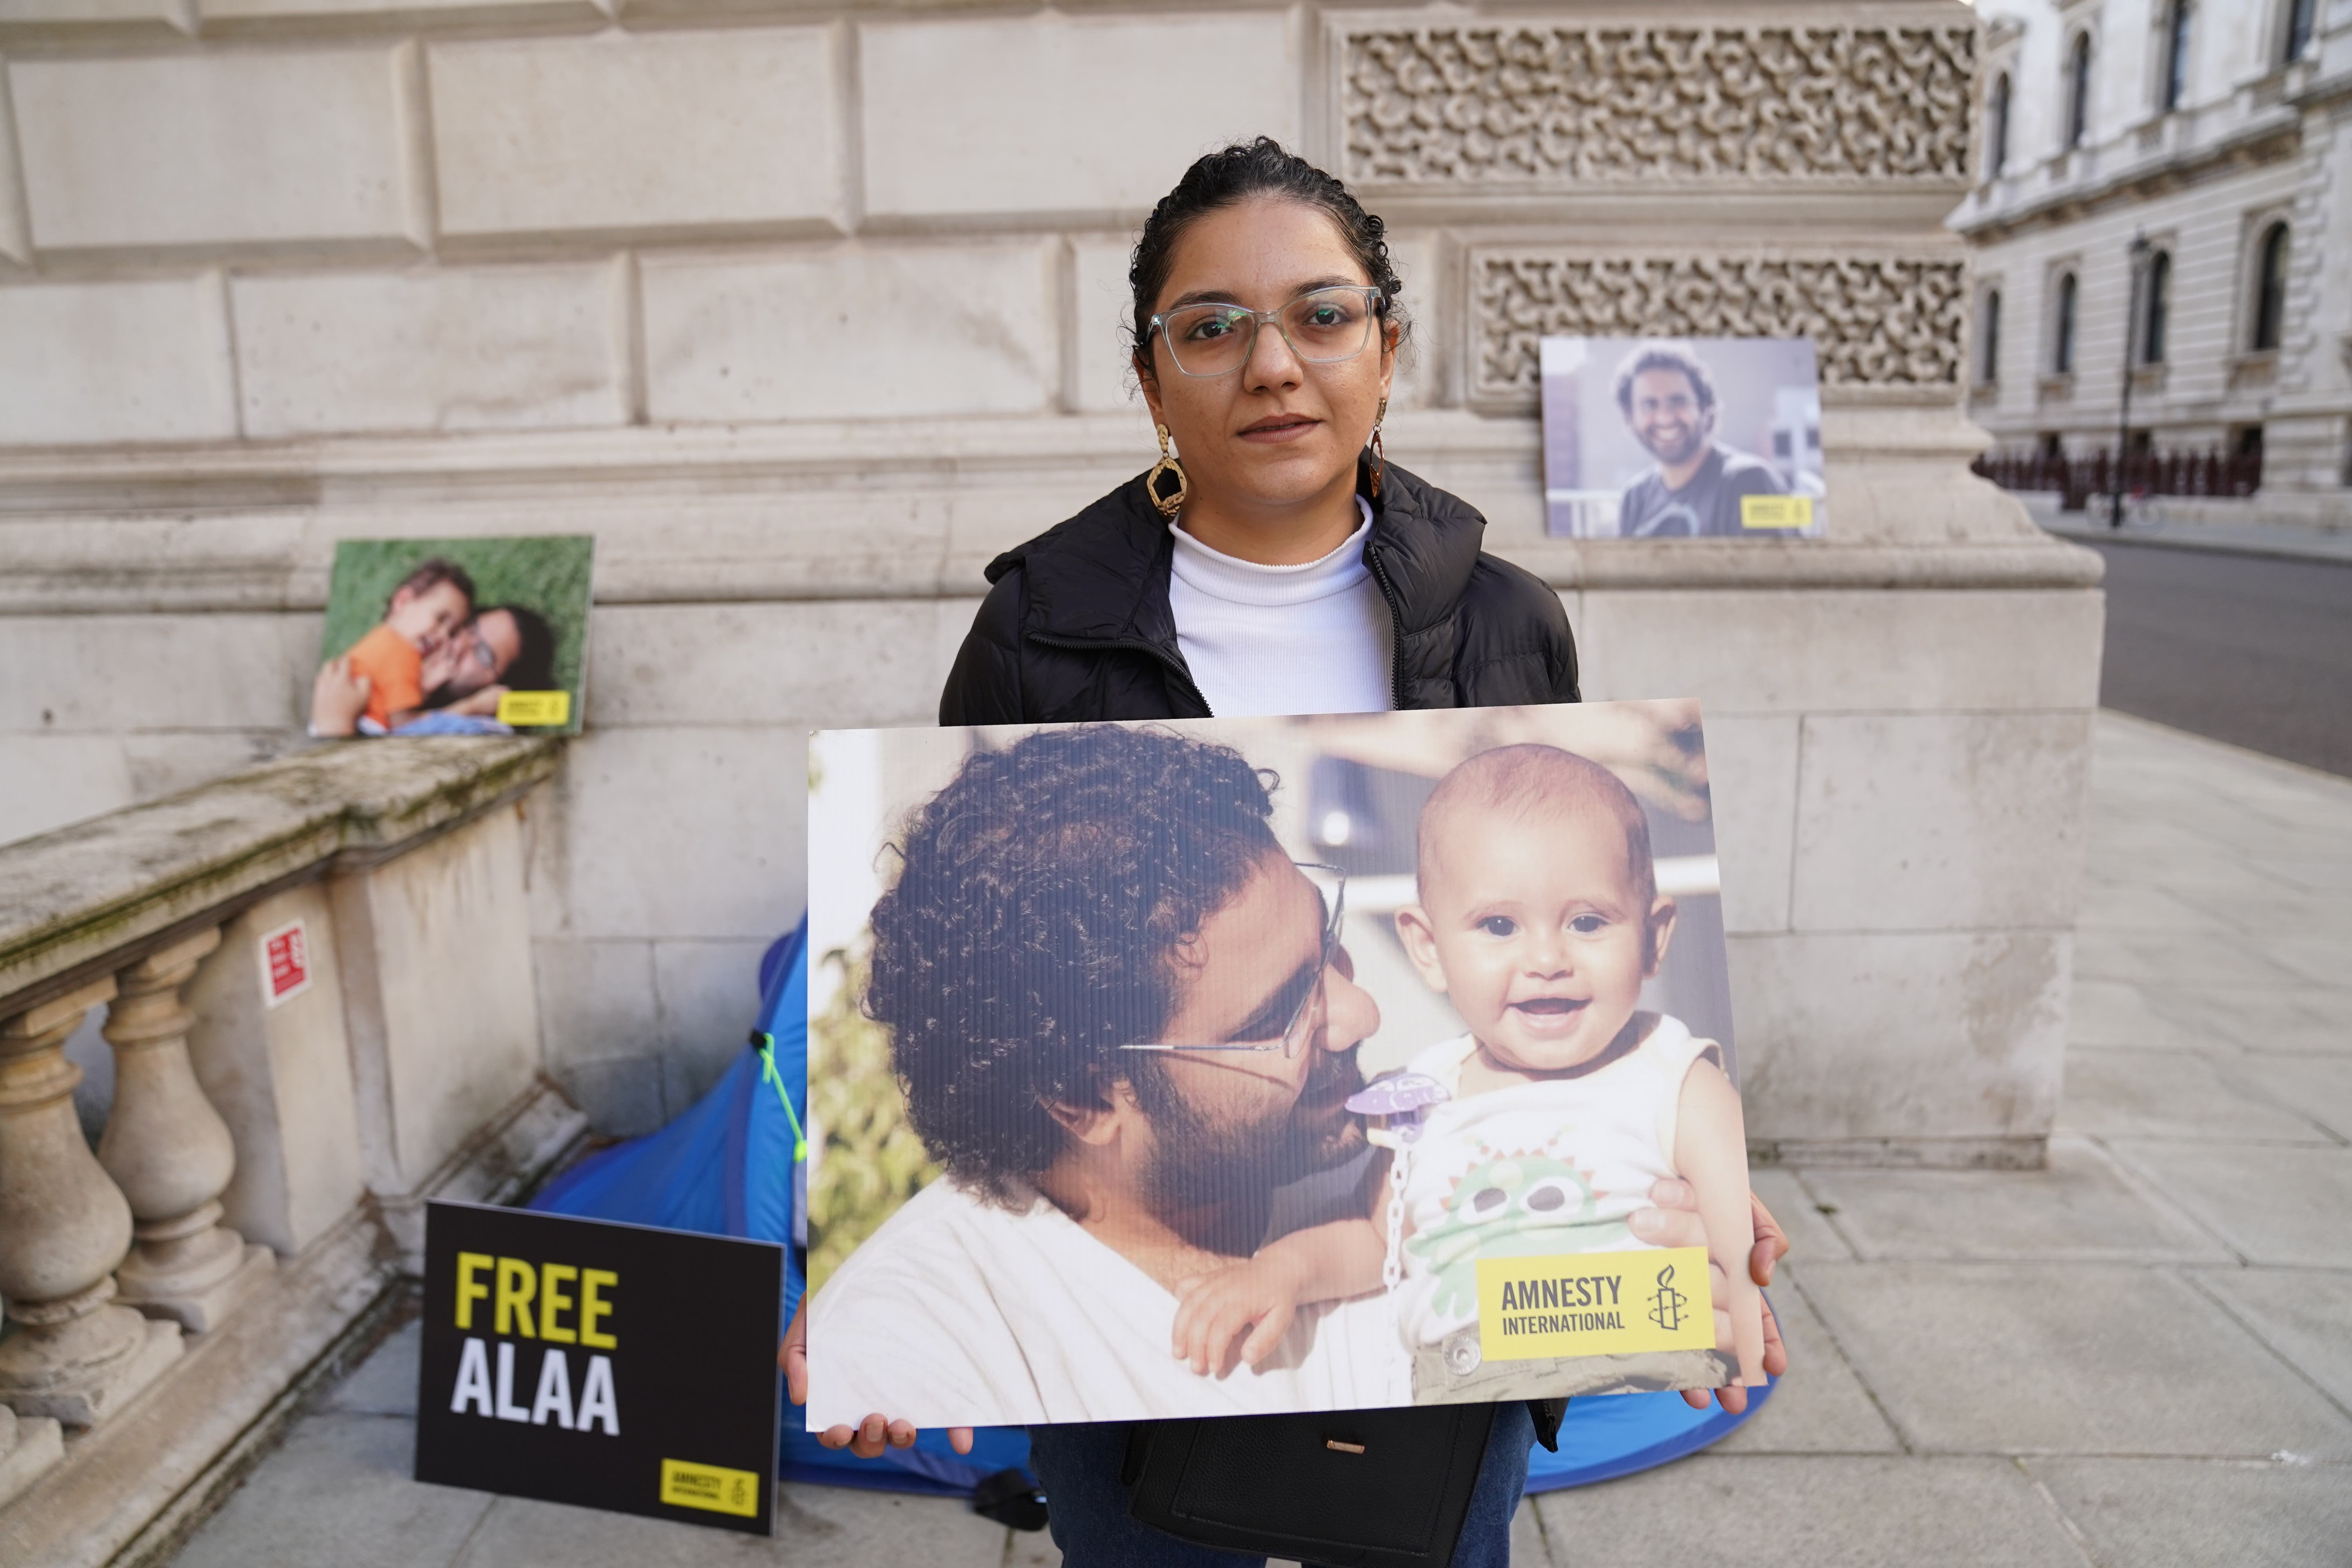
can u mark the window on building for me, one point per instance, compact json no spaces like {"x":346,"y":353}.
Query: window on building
{"x":2176,"y":57}
{"x":2061,"y":345}
{"x":1988,"y":351}
{"x":1997,"y":126}
{"x":2270,"y":289}
{"x":2078,"y":90}
{"x":2299,"y":17}
{"x":2155,"y":314}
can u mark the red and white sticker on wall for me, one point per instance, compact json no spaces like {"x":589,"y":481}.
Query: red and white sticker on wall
{"x":285,"y":964}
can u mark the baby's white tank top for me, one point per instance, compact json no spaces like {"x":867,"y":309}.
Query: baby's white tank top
{"x":1537,"y":1170}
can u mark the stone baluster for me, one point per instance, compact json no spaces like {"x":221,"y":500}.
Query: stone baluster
{"x":76,"y":1356}
{"x":170,"y":1152}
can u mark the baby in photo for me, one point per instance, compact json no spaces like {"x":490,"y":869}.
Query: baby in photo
{"x":426,"y":609}
{"x":1541,"y":1129}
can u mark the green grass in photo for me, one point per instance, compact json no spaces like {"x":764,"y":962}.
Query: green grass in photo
{"x":873,"y":1161}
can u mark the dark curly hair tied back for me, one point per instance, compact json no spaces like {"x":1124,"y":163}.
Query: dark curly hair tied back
{"x":1236,"y":174}
{"x":1031,"y":929}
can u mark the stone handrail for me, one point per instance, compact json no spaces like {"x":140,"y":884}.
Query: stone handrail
{"x":73,"y":900}
{"x":291,"y":962}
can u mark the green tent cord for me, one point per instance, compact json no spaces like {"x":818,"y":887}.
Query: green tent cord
{"x":769,"y":1073}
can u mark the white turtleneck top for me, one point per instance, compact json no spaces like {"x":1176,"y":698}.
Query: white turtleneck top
{"x":1312,"y":638}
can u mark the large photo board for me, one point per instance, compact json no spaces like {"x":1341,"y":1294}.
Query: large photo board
{"x":1682,"y":438}
{"x":1224,"y":1067}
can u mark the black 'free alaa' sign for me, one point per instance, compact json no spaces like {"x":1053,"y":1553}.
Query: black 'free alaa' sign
{"x":609,"y":1365}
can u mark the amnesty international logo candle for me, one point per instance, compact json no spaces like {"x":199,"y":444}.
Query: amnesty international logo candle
{"x":1594,"y":1303}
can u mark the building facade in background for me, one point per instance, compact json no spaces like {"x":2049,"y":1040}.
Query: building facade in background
{"x":2217,"y":133}
{"x":807,"y":310}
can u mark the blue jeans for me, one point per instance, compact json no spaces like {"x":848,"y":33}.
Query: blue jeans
{"x":1086,"y":1507}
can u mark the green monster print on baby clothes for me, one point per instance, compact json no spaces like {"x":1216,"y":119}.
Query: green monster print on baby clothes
{"x":1511,"y":1205}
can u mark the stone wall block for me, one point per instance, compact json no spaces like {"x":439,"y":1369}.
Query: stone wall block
{"x":709,"y":994}
{"x":232,"y":18}
{"x":853,"y":332}
{"x":16,"y":227}
{"x":1420,"y":372}
{"x":280,"y":1077}
{"x":596,"y":1002}
{"x":215,"y":150}
{"x":434,"y":952}
{"x":855,"y":662}
{"x":1751,"y":771}
{"x":168,"y":1149}
{"x":59,"y":674}
{"x":1927,"y":1048}
{"x":1102,"y":324}
{"x":1483,"y":104}
{"x":129,"y":360}
{"x":482,"y":348}
{"x":738,"y":128}
{"x":1044,"y":108}
{"x":79,"y":20}
{"x":1941,"y":821}
{"x":1835,"y":650}
{"x":53,"y":780}
{"x":637,"y":864}
{"x":1895,"y":321}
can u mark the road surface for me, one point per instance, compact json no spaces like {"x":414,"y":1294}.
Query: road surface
{"x":2255,"y":650}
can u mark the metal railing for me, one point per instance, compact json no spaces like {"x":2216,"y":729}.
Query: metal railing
{"x":2077,"y":478}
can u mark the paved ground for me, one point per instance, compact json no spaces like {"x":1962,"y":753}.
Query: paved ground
{"x":2141,"y":1356}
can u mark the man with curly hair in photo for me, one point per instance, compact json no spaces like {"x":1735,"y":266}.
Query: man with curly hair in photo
{"x":1066,"y":911}
{"x":1083,"y":892}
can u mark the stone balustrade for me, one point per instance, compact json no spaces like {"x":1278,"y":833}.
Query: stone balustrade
{"x":315,"y":979}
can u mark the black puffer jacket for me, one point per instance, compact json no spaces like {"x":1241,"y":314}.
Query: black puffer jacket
{"x":1077,"y":625}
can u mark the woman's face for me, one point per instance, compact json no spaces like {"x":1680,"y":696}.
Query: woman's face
{"x":1278,"y":432}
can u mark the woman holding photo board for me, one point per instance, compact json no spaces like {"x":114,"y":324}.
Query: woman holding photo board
{"x":1270,"y":563}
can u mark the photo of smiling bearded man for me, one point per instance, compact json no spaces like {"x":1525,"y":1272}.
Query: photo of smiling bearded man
{"x":1694,"y":488}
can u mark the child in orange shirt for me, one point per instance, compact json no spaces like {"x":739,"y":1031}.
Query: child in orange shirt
{"x":426,"y":609}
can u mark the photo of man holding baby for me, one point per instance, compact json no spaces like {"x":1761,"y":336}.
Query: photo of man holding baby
{"x":1192,"y":1148}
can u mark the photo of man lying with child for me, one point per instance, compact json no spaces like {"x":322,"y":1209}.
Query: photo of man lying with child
{"x":442,"y":652}
{"x":1127,"y":1012}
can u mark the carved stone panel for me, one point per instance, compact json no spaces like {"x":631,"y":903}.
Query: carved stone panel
{"x":1885,"y":321}
{"x":1539,"y":106}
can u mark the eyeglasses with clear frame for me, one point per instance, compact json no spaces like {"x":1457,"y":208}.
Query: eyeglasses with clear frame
{"x":1307,"y":1018}
{"x":1322,"y":326}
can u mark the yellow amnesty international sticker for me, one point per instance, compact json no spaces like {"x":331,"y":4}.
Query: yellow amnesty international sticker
{"x":711,"y":1487}
{"x":546,"y":707}
{"x":1594,"y":1303}
{"x":1776,"y":512}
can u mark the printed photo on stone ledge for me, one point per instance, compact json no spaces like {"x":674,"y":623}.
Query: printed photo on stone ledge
{"x":1233,"y":1066}
{"x":455,"y":636}
{"x":1682,"y":438}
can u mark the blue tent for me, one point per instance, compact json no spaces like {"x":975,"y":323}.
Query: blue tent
{"x":729,"y":1166}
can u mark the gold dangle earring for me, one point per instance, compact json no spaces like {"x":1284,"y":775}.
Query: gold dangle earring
{"x":1380,"y":458}
{"x":1169,"y":505}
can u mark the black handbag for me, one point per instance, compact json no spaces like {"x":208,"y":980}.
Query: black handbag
{"x":1351,"y":1488}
